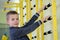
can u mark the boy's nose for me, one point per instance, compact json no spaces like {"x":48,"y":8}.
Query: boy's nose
{"x":16,"y":20}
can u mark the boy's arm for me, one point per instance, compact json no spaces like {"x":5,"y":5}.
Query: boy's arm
{"x":35,"y":17}
{"x":25,"y":30}
{"x":32,"y":20}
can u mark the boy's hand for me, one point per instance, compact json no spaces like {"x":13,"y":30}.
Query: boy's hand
{"x":46,"y":19}
{"x":47,"y":6}
{"x":44,"y":8}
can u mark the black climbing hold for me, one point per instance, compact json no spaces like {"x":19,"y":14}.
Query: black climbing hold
{"x":25,"y":13}
{"x":7,"y":1}
{"x":45,"y":21}
{"x":23,"y":8}
{"x":34,"y":5}
{"x":45,"y":33}
{"x":34,"y":36}
{"x":23,"y":16}
{"x":31,"y":8}
{"x":46,"y":7}
{"x":49,"y":5}
{"x":49,"y":32}
{"x":30,"y":0}
{"x":50,"y":18}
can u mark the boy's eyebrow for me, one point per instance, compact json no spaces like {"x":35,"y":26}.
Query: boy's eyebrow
{"x":7,"y":17}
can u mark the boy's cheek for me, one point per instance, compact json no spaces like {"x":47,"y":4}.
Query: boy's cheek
{"x":8,"y":22}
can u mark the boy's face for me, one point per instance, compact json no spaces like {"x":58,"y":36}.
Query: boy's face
{"x":13,"y":20}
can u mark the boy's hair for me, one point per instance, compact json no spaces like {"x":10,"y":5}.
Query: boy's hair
{"x":10,"y":12}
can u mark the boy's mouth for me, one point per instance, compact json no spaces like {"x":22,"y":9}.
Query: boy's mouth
{"x":16,"y":24}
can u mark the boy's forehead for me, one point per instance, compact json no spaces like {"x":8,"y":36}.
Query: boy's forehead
{"x":13,"y":15}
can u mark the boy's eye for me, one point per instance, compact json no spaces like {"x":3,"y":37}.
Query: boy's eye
{"x":17,"y":19}
{"x":12,"y":19}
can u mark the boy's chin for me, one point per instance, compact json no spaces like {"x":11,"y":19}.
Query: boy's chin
{"x":15,"y":26}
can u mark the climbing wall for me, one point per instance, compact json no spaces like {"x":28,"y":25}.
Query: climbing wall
{"x":27,"y":8}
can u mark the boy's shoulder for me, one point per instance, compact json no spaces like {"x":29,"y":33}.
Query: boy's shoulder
{"x":14,"y":27}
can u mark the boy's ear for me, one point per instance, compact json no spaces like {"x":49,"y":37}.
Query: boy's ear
{"x":7,"y":21}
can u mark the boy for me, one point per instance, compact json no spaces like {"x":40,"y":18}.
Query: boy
{"x":20,"y":33}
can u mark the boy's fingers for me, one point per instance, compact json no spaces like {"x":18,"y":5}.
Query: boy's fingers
{"x":50,"y":18}
{"x":47,"y":6}
{"x":47,"y":18}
